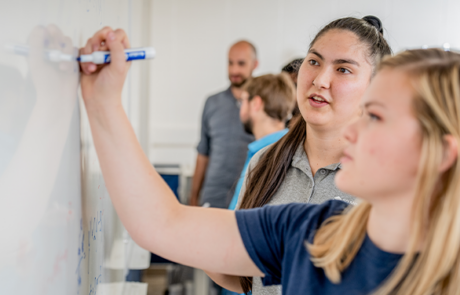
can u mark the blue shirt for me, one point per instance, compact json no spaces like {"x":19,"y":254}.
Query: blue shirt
{"x":275,"y":237}
{"x":253,"y":148}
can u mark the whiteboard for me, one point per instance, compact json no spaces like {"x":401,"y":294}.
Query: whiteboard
{"x":60,"y":233}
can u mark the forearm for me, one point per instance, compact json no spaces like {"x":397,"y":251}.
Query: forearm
{"x":231,"y":283}
{"x":198,"y":237}
{"x":202,"y":238}
{"x":198,"y":178}
{"x":131,"y":180}
{"x":195,"y":190}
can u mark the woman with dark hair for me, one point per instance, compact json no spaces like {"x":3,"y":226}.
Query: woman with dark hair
{"x":401,"y":159}
{"x":301,"y":166}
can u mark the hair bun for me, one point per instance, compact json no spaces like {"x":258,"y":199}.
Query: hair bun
{"x":374,"y":21}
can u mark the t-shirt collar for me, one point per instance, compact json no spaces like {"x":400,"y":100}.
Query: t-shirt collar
{"x":230,"y":93}
{"x":259,"y":144}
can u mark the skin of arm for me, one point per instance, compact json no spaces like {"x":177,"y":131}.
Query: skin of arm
{"x":230,"y":282}
{"x":198,"y":178}
{"x":199,"y":237}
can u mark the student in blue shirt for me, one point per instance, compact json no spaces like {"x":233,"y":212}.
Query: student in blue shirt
{"x":401,"y":159}
{"x":265,"y":104}
{"x":301,"y":167}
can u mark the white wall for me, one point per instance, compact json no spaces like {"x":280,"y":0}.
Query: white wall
{"x":192,"y":39}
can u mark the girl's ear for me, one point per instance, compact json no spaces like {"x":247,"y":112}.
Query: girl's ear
{"x":450,"y":152}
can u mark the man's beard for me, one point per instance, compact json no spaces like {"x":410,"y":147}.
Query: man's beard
{"x":239,"y":84}
{"x":248,"y":126}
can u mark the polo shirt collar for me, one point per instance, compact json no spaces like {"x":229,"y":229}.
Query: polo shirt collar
{"x":300,"y":161}
{"x":230,"y":93}
{"x":259,"y":144}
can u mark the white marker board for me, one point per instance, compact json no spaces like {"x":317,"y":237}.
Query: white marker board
{"x":59,"y":231}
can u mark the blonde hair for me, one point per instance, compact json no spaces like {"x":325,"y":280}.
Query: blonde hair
{"x":435,"y":268}
{"x":276,"y":91}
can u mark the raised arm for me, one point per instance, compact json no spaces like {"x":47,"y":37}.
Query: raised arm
{"x":198,"y":237}
{"x":230,"y":282}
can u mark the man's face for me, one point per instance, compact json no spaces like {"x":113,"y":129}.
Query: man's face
{"x":241,"y":63}
{"x":245,"y":112}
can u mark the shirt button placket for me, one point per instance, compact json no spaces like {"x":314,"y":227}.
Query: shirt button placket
{"x":311,"y":186}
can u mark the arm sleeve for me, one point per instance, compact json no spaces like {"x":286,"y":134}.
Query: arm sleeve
{"x":203,"y":147}
{"x":265,"y":231}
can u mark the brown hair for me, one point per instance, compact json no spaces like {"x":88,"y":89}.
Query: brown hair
{"x":267,"y":176}
{"x":276,"y":91}
{"x":435,"y":268}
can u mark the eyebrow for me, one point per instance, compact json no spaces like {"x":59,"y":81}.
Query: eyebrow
{"x":370,"y":103}
{"x":337,"y":61}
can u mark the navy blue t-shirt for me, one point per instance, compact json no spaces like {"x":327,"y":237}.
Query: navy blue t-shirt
{"x":275,"y":238}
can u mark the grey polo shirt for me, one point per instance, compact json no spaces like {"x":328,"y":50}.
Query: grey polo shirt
{"x":299,"y":186}
{"x":225,"y":142}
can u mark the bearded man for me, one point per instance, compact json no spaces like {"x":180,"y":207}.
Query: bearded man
{"x":224,"y":143}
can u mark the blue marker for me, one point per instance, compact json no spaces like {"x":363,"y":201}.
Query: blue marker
{"x":103,"y":57}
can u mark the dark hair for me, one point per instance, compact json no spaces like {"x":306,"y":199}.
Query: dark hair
{"x":293,"y":66}
{"x":267,"y":176}
{"x":368,"y":29}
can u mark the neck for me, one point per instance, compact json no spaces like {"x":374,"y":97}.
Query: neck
{"x":323,"y":147}
{"x":266,"y":126}
{"x":389,"y":223}
{"x":236,"y":91}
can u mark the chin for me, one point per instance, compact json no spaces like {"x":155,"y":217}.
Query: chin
{"x":345,"y":183}
{"x":315,"y":117}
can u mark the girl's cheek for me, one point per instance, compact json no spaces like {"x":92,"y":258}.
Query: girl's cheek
{"x":374,"y":152}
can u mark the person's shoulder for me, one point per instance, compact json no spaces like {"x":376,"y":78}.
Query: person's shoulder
{"x":322,"y":211}
{"x":310,"y":216}
{"x":327,"y":209}
{"x":216,"y":100}
{"x":257,"y":156}
{"x":218,"y":96}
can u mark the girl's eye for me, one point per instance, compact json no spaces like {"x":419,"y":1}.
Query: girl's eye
{"x":313,"y":62}
{"x":343,"y":70}
{"x":374,"y":117}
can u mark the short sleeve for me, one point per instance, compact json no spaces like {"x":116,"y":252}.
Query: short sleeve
{"x":204,"y":144}
{"x":265,"y":232}
{"x":272,"y":234}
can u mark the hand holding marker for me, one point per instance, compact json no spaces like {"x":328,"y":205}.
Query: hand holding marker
{"x":103,"y":57}
{"x":97,"y":57}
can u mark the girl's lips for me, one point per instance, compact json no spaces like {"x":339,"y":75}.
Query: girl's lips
{"x":317,"y":104}
{"x":345,"y":158}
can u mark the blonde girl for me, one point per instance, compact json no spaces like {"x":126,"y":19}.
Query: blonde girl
{"x":401,"y":160}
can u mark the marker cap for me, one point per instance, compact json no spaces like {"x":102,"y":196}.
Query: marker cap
{"x":86,"y":58}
